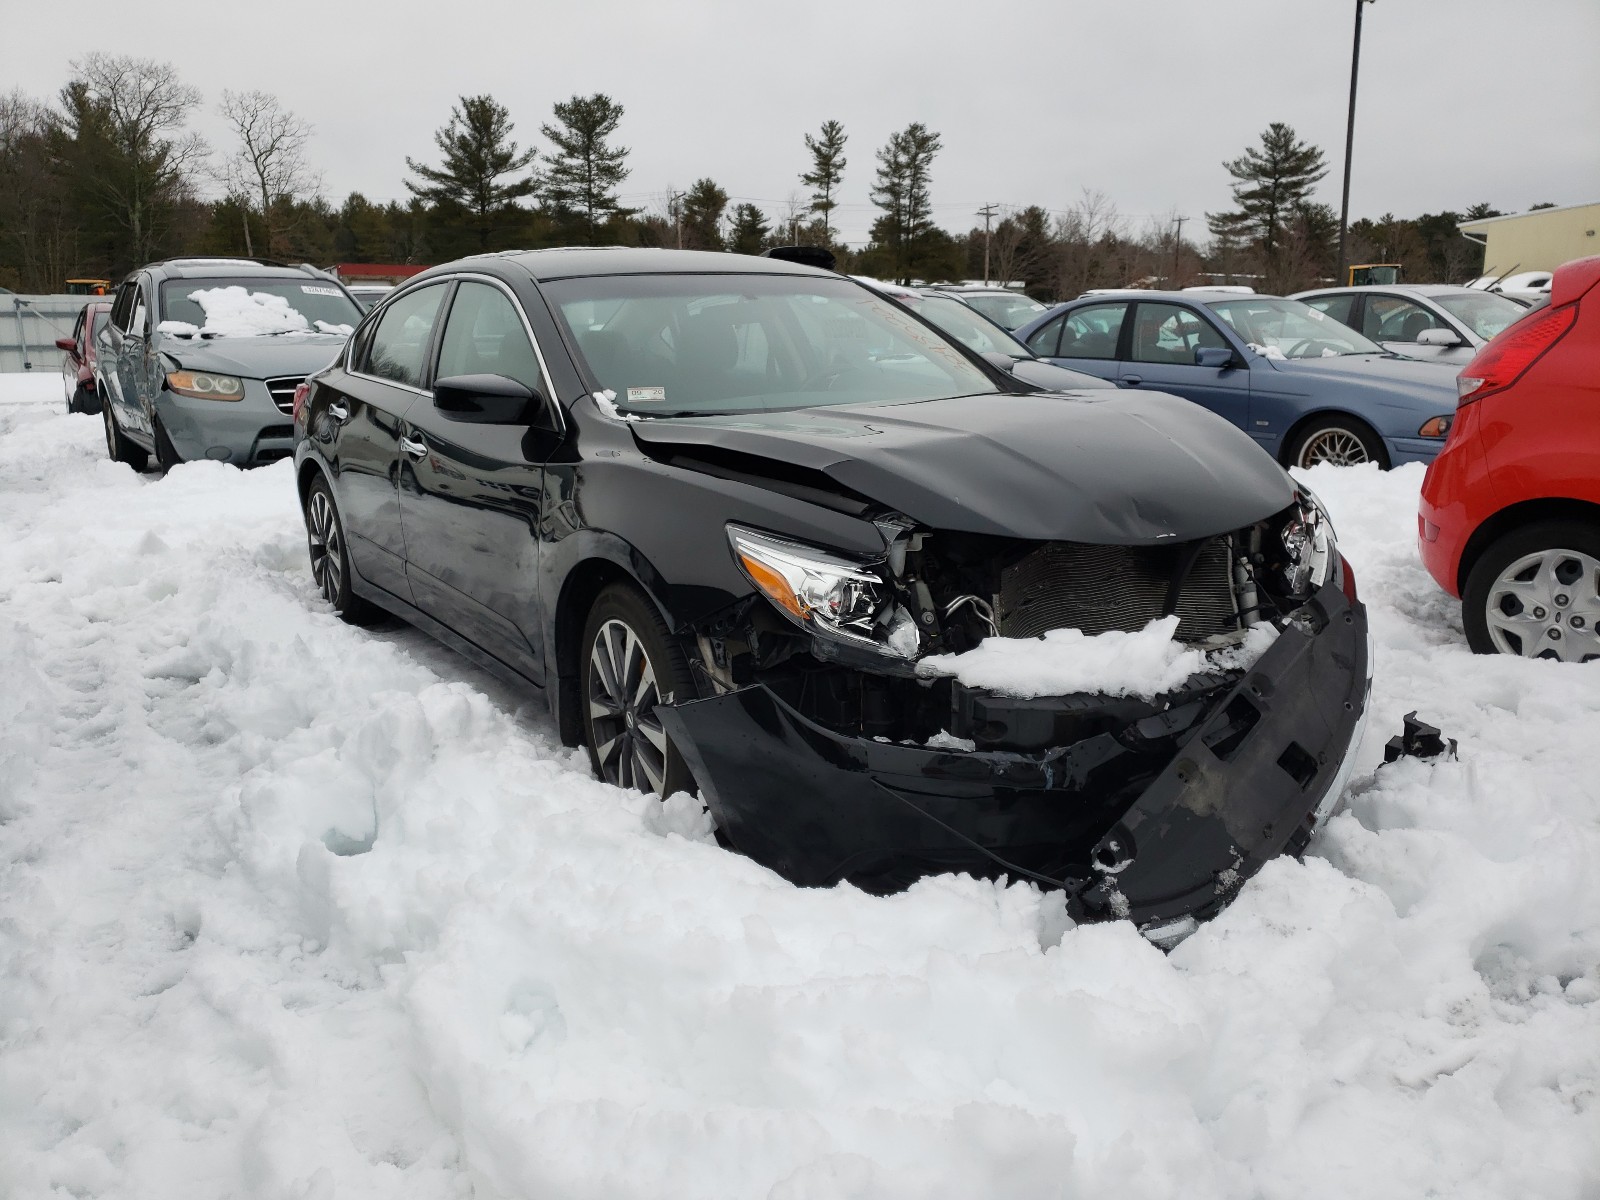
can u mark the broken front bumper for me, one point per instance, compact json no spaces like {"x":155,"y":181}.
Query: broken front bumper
{"x":1158,"y":819}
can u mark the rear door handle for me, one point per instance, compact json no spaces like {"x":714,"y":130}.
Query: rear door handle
{"x":418,"y":449}
{"x":1133,"y":380}
{"x":339,"y":410}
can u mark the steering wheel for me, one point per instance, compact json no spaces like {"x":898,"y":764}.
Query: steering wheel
{"x":1312,"y":347}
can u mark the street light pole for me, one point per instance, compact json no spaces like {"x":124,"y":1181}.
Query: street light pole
{"x":1349,"y":143}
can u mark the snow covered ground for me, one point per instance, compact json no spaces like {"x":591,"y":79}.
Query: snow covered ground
{"x":289,"y":909}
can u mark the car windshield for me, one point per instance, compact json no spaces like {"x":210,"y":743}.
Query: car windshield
{"x":1010,"y":311}
{"x":678,"y":345}
{"x":968,"y":326}
{"x":1485,"y":313}
{"x":1289,"y":329}
{"x":256,"y":307}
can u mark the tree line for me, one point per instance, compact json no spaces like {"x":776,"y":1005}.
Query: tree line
{"x":110,"y":176}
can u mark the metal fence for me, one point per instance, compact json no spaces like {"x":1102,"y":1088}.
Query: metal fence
{"x":29,"y":327}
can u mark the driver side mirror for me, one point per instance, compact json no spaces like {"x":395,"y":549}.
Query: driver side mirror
{"x":486,"y":399}
{"x":1213,"y":356}
{"x":1437,"y":337}
{"x":66,"y":344}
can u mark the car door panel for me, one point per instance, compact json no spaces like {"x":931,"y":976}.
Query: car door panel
{"x":471,"y":494}
{"x":1160,"y":357}
{"x":366,"y":452}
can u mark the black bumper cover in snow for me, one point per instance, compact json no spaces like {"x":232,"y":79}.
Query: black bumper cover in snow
{"x":1159,"y":818}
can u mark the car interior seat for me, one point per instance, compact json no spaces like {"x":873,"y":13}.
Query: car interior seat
{"x":1414,"y":324}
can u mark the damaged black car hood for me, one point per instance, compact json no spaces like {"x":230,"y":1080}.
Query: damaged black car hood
{"x":1108,"y":467}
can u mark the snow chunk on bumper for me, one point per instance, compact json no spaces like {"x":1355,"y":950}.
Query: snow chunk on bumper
{"x":1063,"y":662}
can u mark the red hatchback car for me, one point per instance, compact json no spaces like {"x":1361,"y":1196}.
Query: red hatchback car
{"x":77,"y":364}
{"x":1510,"y":513}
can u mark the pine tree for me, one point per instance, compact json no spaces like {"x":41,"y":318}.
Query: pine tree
{"x":703,"y":205}
{"x":827,"y":169}
{"x":748,"y":233}
{"x":585,"y":170}
{"x":478,"y":152}
{"x":902,"y":191}
{"x":1273,"y":185}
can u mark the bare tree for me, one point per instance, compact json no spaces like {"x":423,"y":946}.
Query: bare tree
{"x":135,"y":110}
{"x":269,"y":167}
{"x":1088,"y":236}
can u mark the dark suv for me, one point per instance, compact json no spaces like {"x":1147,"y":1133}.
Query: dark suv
{"x":201,"y":357}
{"x":723,"y":511}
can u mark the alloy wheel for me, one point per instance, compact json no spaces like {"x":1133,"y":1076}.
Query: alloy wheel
{"x":1547,"y":605}
{"x":1337,"y":447}
{"x":322,"y":531}
{"x":629,"y":740}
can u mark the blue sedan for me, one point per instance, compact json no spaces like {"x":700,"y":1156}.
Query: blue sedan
{"x":1309,"y":389}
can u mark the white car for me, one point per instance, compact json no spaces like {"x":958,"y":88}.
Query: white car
{"x":1437,"y":322}
{"x":1527,"y":286}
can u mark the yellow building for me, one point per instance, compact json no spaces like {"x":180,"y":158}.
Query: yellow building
{"x":1536,"y":241}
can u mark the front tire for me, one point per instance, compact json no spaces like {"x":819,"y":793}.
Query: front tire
{"x":1338,"y":441}
{"x":118,"y":446}
{"x":630,"y":665}
{"x":330,"y":556}
{"x":1536,"y":592}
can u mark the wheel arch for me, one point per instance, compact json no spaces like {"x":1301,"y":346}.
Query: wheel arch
{"x":1292,"y":437}
{"x":305,"y":473}
{"x":1515,"y":516}
{"x":585,"y":581}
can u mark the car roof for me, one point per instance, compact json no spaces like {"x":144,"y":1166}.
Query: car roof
{"x":243,"y":268}
{"x":573,"y":262}
{"x":1197,"y":296}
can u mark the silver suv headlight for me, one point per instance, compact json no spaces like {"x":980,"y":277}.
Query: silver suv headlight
{"x":825,"y":595}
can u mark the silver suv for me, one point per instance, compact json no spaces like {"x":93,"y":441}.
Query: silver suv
{"x":202,"y":356}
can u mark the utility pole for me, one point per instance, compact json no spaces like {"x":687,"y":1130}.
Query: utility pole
{"x":676,"y":208}
{"x":1177,"y":247}
{"x":1349,"y":143}
{"x":987,"y":212}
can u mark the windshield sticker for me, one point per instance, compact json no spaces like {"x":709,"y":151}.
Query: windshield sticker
{"x":1316,"y":314}
{"x":647,"y":395}
{"x":309,"y":290}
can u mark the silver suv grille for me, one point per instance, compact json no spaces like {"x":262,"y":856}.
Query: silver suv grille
{"x":283,"y":391}
{"x":1072,"y":585}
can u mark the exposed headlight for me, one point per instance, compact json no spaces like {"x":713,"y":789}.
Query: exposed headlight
{"x":202,"y":385}
{"x":1309,"y":544}
{"x":828,"y":596}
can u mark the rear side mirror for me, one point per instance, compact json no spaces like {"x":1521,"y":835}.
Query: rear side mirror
{"x":1213,"y":356}
{"x":486,"y":399}
{"x":66,"y":344}
{"x":1437,"y":337}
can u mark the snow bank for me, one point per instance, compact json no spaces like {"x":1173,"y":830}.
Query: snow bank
{"x":1144,"y":663}
{"x":296,"y":909}
{"x":32,"y":387}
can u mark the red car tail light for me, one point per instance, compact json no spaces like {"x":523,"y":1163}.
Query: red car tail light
{"x":300,"y":394}
{"x":1503,"y":361}
{"x":1347,"y":579}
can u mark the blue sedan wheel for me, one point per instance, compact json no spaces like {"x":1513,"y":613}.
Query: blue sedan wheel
{"x":1337,"y":442}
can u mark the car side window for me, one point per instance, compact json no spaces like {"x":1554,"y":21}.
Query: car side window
{"x":139,"y":322}
{"x":1391,"y":319}
{"x":484,"y":335}
{"x":1169,"y":333}
{"x":400,"y":343}
{"x":1092,"y":332}
{"x":1337,"y":307}
{"x":123,"y":308}
{"x":1043,"y":340}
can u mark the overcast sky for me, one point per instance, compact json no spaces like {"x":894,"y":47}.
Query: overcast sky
{"x":1036,"y":100}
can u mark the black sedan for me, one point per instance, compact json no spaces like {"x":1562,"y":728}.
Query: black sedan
{"x":719,"y":510}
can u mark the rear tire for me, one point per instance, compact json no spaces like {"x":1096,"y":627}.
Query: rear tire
{"x":1340,"y":441}
{"x":118,"y":446}
{"x":1534,"y":581}
{"x":630,"y":664}
{"x":330,"y":556}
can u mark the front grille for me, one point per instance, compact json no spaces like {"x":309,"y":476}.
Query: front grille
{"x":1072,"y":585}
{"x":283,"y":391}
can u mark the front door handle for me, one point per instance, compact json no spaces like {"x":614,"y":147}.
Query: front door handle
{"x":418,"y":449}
{"x":1133,"y":380}
{"x":339,"y":410}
